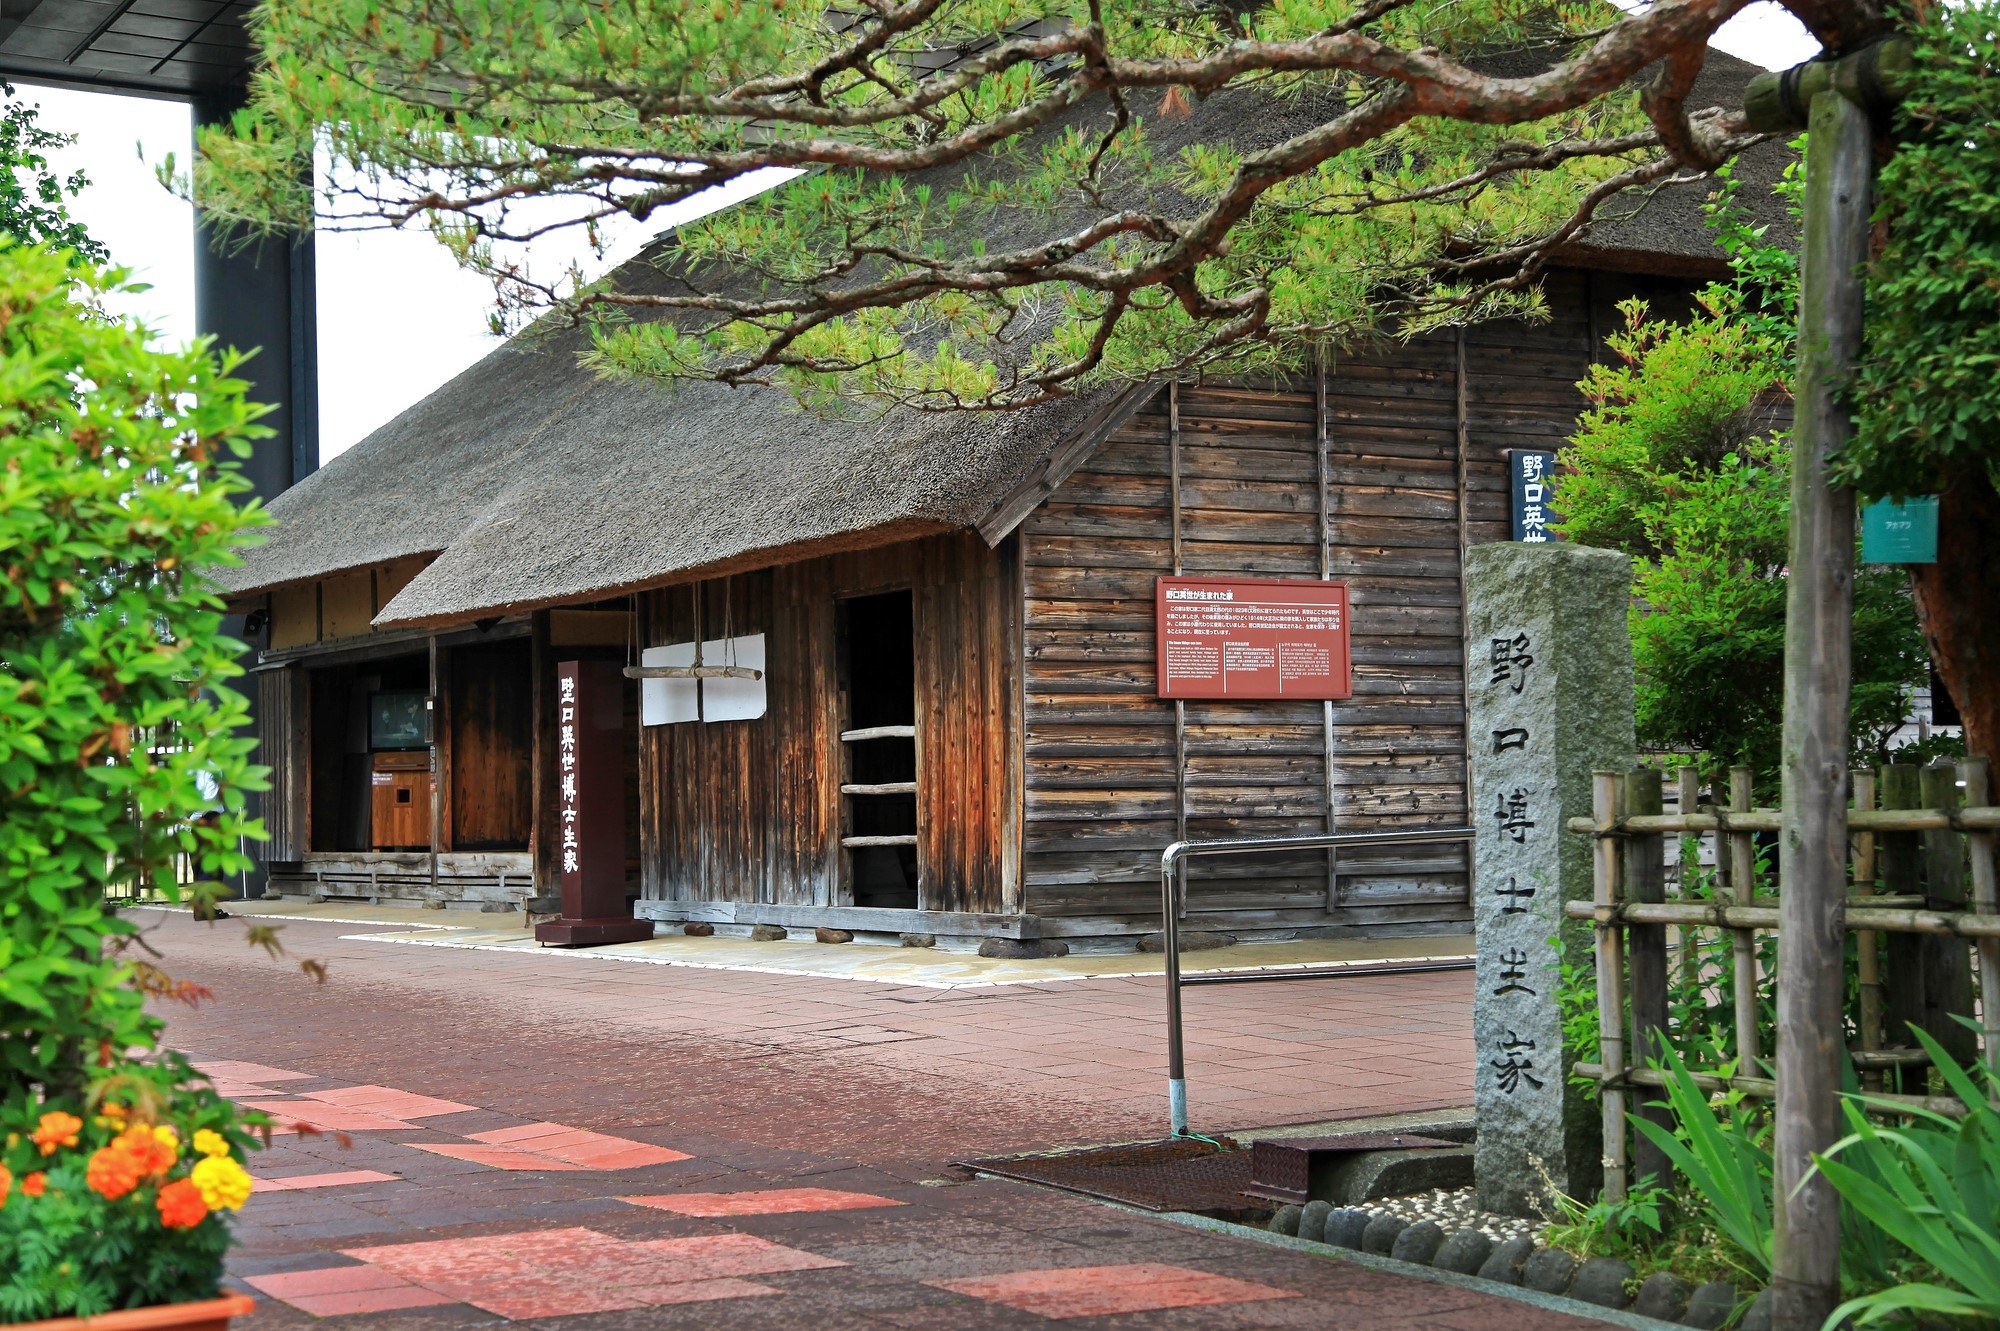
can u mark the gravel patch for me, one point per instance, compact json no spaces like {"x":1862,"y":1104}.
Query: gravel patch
{"x":1454,"y":1209}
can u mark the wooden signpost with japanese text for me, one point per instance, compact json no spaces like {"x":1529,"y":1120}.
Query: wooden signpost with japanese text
{"x":590,"y":822}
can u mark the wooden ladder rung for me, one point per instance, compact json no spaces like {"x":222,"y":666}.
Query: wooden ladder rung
{"x":878,"y":732}
{"x":881,"y":788}
{"x":852,"y":842}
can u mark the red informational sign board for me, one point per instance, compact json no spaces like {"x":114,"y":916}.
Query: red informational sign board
{"x":1252,"y":638}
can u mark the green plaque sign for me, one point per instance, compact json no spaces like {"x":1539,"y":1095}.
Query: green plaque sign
{"x":1900,"y":531}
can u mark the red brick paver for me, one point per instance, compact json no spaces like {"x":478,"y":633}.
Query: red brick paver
{"x":706,"y":1088}
{"x":1098,"y":1291}
{"x":763,"y":1201}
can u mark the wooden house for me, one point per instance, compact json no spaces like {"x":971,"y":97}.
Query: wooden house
{"x":959,"y":731}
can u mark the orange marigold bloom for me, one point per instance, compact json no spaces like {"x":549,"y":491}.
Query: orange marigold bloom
{"x":57,"y":1129}
{"x":150,"y":1153}
{"x":6,"y":1183}
{"x":181,"y":1205}
{"x":112,"y":1172}
{"x":35,"y":1184}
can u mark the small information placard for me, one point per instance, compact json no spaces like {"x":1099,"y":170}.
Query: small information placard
{"x":1900,"y":531}
{"x":1252,"y":638}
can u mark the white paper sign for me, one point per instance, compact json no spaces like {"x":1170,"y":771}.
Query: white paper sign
{"x":733,"y":699}
{"x":663,"y":702}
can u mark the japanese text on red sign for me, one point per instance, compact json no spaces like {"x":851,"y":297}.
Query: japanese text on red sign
{"x":1252,"y":638}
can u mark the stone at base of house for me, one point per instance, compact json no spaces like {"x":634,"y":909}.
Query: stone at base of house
{"x":826,"y":935}
{"x":1023,"y":949}
{"x":917,"y":940}
{"x":698,"y":929}
{"x":768,"y":933}
{"x":1191,"y":940}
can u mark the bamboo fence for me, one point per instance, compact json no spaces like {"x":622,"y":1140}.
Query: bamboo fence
{"x":1914,"y":833}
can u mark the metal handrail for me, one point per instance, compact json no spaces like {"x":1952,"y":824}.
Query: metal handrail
{"x":1173,"y":903}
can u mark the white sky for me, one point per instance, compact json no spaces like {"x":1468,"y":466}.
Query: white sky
{"x":397,"y":317}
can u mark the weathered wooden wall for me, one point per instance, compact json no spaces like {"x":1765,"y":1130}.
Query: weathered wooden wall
{"x":284,"y":707}
{"x":748,"y":811}
{"x":490,"y":746}
{"x":1413,"y":469}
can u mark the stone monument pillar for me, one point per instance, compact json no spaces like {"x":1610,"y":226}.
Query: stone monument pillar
{"x":1549,"y":698}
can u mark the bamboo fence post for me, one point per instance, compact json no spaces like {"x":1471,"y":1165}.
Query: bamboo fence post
{"x":1947,"y":961}
{"x":1688,"y":781}
{"x":1985,"y":901}
{"x":1743,"y":942}
{"x":1645,"y":863}
{"x":1899,"y":862}
{"x":1867,"y":943}
{"x":1606,"y":800}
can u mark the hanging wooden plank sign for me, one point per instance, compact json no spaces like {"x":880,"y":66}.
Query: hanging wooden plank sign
{"x":1252,"y":638}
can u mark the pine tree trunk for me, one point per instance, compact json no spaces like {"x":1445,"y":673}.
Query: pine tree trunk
{"x":1958,"y":600}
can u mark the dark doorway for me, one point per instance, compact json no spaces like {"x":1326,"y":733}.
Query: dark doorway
{"x":879,"y":751}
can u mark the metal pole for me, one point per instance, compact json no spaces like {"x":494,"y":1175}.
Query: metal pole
{"x":1172,"y":893}
{"x":1818,"y":675}
{"x":1170,"y":933}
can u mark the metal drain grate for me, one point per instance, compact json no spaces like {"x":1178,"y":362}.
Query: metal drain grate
{"x":1178,"y":1174}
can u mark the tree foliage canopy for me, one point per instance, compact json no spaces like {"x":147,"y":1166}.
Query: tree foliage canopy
{"x":33,"y":198}
{"x":984,"y":218}
{"x":1683,"y":461}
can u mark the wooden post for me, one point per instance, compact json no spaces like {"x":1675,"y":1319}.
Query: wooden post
{"x":1180,"y":704}
{"x":1645,"y":865}
{"x":1607,"y":793}
{"x":1867,"y":943}
{"x":1899,"y":865}
{"x":434,"y":722}
{"x":1819,"y":615}
{"x":1743,"y":942}
{"x":1686,"y":938}
{"x":1985,"y":901}
{"x":1323,"y":478}
{"x":1947,"y":961}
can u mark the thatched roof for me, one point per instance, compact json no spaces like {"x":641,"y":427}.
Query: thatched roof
{"x":534,"y":482}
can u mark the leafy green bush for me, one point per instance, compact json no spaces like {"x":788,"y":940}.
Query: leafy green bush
{"x":1680,"y":462}
{"x":121,"y":759}
{"x":1934,"y":1189}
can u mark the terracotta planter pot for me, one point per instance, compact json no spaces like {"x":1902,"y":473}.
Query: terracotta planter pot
{"x":205,"y":1315}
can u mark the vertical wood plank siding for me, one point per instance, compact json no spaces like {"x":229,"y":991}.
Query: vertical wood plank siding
{"x":284,"y":717}
{"x":749,"y":811}
{"x":1101,"y":799}
{"x":491,"y":747}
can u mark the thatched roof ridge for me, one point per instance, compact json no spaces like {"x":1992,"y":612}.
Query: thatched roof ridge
{"x":536,"y":483}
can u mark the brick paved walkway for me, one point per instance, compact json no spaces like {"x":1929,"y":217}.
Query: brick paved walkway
{"x":534,"y":1136}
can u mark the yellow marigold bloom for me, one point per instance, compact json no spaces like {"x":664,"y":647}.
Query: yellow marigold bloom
{"x":207,"y":1141}
{"x":57,"y":1129}
{"x":224,"y":1184}
{"x":168,"y":1137}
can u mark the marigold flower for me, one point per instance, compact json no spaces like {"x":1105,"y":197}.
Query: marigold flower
{"x":35,"y":1184}
{"x":181,"y":1205}
{"x":57,"y":1129}
{"x":151,"y":1153}
{"x":207,"y":1141}
{"x":6,"y":1184}
{"x":112,"y":1172}
{"x":168,"y":1136}
{"x":225,"y":1185}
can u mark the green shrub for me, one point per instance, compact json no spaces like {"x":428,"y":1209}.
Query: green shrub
{"x":121,"y":758}
{"x":1934,"y":1188}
